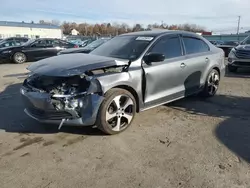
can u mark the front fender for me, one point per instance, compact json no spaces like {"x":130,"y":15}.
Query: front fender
{"x":113,"y":80}
{"x":127,"y":79}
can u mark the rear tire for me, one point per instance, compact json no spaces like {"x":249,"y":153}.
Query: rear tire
{"x":19,"y":58}
{"x":116,"y":112}
{"x":232,"y":68}
{"x":212,"y":84}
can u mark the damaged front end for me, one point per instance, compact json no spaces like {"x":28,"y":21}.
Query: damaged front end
{"x":72,"y":100}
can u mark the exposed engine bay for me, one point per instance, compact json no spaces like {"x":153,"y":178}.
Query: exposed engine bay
{"x":72,"y":85}
{"x":66,"y":93}
{"x":58,"y":85}
{"x":70,"y":94}
{"x":69,"y":89}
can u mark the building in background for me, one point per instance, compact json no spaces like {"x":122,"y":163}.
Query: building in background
{"x":29,"y":30}
{"x":74,"y":32}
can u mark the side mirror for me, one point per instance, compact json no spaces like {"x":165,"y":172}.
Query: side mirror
{"x":154,"y":57}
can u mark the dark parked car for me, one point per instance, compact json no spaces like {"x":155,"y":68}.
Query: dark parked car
{"x":86,"y":42}
{"x":239,"y":57}
{"x":33,"y":50}
{"x":93,"y":45}
{"x":129,"y":73}
{"x":13,"y":41}
{"x":227,"y":46}
{"x":81,"y":41}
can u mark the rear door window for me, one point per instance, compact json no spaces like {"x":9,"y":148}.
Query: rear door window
{"x":39,"y":43}
{"x":52,"y":43}
{"x":169,"y":46}
{"x":49,"y":43}
{"x":20,"y":41}
{"x":195,"y":45}
{"x":65,"y":43}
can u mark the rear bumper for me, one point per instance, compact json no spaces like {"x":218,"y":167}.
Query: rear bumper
{"x":39,"y":106}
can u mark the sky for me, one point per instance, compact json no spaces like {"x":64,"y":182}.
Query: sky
{"x":214,"y":15}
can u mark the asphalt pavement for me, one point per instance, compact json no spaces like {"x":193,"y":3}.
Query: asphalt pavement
{"x":193,"y":142}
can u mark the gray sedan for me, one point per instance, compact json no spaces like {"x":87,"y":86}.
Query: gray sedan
{"x":128,"y":74}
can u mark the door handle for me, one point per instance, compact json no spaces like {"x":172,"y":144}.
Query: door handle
{"x":207,"y":60}
{"x":183,"y":65}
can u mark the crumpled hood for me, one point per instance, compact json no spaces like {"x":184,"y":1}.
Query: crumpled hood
{"x":76,"y":50}
{"x":243,"y":47}
{"x":72,"y":64}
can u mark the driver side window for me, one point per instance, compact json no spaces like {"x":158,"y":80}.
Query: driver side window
{"x":40,"y":43}
{"x":168,"y":46}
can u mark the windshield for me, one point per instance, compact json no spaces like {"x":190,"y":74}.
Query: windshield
{"x":123,"y":47}
{"x":96,"y":43}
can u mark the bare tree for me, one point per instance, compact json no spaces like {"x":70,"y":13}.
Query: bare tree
{"x":116,"y":28}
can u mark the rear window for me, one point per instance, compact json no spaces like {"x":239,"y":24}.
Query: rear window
{"x":195,"y":45}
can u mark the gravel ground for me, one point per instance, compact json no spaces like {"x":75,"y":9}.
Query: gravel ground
{"x":189,"y":143}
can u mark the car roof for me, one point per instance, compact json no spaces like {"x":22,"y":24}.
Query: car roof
{"x":48,"y":39}
{"x":10,"y":38}
{"x":156,"y":33}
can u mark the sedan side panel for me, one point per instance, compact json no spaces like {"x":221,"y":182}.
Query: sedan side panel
{"x":33,"y":53}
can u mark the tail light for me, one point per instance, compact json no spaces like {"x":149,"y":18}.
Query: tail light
{"x":76,"y":46}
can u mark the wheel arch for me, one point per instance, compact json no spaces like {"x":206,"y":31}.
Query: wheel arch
{"x":207,"y":72}
{"x":133,"y":92}
{"x":217,"y":68}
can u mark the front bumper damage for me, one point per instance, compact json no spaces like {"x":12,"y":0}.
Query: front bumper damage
{"x":77,"y":110}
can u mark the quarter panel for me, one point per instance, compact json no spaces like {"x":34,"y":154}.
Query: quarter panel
{"x":195,"y":71}
{"x":216,"y":60}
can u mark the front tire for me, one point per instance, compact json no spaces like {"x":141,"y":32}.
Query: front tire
{"x":116,"y":112}
{"x":232,"y":68}
{"x":212,"y":84}
{"x":19,"y":58}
